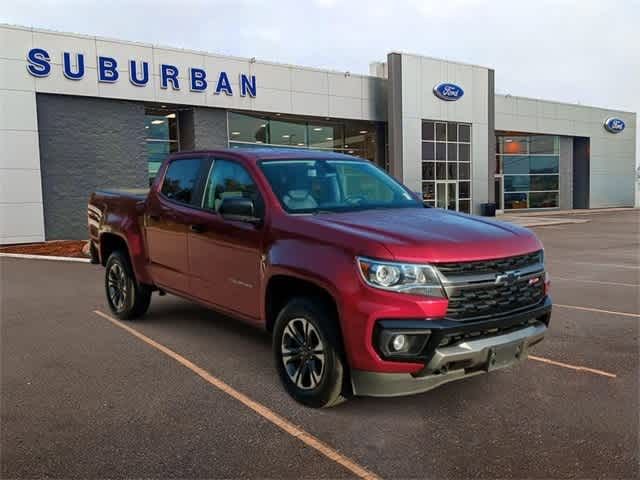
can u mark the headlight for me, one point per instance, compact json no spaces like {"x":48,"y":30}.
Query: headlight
{"x":401,"y":277}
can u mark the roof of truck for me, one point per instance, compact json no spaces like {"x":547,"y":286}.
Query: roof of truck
{"x":267,"y":153}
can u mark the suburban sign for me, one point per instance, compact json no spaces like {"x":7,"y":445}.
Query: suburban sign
{"x":108,"y":71}
{"x":448,"y":92}
{"x":614,"y":125}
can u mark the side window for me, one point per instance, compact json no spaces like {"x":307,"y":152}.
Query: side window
{"x":227,"y":180}
{"x":181,"y":179}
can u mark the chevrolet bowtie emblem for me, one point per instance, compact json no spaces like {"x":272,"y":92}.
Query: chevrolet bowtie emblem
{"x":507,"y":278}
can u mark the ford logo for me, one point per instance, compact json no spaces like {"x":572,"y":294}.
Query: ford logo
{"x":448,"y":92}
{"x":614,"y":125}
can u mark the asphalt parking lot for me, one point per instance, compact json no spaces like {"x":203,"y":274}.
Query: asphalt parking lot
{"x":81,"y":397}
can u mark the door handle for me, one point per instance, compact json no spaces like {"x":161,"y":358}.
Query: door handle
{"x":197,"y":228}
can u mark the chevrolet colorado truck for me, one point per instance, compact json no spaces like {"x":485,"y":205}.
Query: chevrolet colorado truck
{"x":364,"y":290}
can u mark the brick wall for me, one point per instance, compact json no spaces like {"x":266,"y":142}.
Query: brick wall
{"x":86,"y":144}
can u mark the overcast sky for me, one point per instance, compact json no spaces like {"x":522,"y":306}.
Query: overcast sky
{"x":583,"y":51}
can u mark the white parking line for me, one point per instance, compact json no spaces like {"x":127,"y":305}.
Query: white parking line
{"x":258,"y":408}
{"x":573,"y":367}
{"x":599,"y":282}
{"x":597,"y":310}
{"x":595,"y":264}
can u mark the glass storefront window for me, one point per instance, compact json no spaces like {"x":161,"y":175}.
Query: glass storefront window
{"x":428,"y":151}
{"x":544,"y":144}
{"x":161,"y":132}
{"x":348,"y":136}
{"x":326,"y":136}
{"x":515,"y":201}
{"x":544,"y":164}
{"x":543,"y":199}
{"x":446,"y":160}
{"x":288,"y":133}
{"x":247,"y":128}
{"x":530,"y":165}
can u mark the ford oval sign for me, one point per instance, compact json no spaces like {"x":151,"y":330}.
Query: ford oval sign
{"x":448,"y":92}
{"x":614,"y":125}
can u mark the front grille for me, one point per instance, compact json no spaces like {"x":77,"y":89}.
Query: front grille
{"x":490,"y":266}
{"x":490,"y":299}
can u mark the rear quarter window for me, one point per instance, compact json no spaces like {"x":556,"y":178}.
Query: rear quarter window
{"x":181,"y":180}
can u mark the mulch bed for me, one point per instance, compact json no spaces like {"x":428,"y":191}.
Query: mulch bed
{"x":56,"y":248}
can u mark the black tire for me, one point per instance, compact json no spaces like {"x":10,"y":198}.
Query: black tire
{"x":313,"y":379}
{"x":127,"y":298}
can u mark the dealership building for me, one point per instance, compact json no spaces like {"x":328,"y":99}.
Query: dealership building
{"x":79,"y":113}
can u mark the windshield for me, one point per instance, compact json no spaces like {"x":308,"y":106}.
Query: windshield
{"x":311,"y":186}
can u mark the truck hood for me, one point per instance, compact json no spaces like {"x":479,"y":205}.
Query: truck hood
{"x":431,"y":234}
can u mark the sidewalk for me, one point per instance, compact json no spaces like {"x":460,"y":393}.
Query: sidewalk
{"x":555,"y":217}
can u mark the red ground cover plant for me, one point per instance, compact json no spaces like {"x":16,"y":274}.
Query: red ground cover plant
{"x":56,"y":248}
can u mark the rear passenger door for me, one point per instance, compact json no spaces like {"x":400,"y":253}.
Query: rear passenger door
{"x":168,"y":217}
{"x":224,"y":256}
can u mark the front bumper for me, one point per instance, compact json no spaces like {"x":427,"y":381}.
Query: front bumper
{"x":477,"y":347}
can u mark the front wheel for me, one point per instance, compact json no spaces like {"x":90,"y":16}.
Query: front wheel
{"x":127,"y":298}
{"x":306,"y":347}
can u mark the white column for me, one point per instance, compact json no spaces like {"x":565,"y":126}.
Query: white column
{"x":21,"y":214}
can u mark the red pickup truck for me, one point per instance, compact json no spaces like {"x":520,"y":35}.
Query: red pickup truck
{"x":364,"y":290}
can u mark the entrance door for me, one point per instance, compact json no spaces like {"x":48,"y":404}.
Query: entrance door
{"x":498,"y":186}
{"x":447,"y":195}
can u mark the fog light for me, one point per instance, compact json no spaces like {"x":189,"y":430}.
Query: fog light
{"x":399,"y":343}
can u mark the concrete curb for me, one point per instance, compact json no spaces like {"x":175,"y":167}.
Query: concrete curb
{"x":44,"y":257}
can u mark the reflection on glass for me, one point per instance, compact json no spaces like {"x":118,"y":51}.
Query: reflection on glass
{"x":544,"y":144}
{"x":516,"y":183}
{"x":326,"y":136}
{"x":543,"y":200}
{"x":428,"y":131}
{"x":452,"y":152}
{"x":452,"y":171}
{"x":428,"y":151}
{"x":247,"y":128}
{"x":428,"y":170}
{"x":544,"y":182}
{"x":448,"y":143}
{"x":531,"y":166}
{"x":464,"y":152}
{"x":544,"y":164}
{"x":161,"y":133}
{"x":465,"y":189}
{"x":348,"y":136}
{"x":287,"y":133}
{"x":428,"y":191}
{"x":465,"y":171}
{"x":464,"y":133}
{"x":515,"y":201}
{"x":514,"y":165}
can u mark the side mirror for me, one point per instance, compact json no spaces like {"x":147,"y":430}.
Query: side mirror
{"x":239,"y":208}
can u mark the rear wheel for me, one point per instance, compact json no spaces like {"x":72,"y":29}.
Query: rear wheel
{"x":127,"y":298}
{"x":308,"y":353}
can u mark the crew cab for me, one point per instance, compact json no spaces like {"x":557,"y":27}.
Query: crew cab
{"x":364,"y":290}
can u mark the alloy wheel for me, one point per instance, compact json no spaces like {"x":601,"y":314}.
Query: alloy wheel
{"x":303,"y":353}
{"x":117,"y":286}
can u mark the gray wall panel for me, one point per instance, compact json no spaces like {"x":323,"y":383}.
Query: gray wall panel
{"x":394,"y":114}
{"x":491,"y":120}
{"x":86,"y":144}
{"x":210,"y":128}
{"x":566,"y":172}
